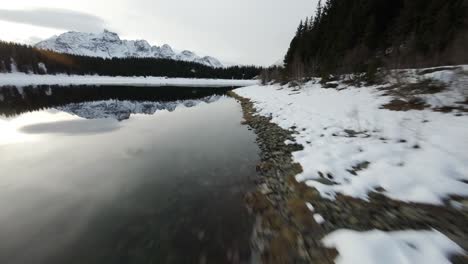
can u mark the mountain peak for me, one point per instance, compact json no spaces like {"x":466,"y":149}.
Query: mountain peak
{"x":107,"y":44}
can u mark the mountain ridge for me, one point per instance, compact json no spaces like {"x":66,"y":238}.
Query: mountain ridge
{"x":108,"y":44}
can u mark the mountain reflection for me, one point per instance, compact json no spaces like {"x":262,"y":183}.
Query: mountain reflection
{"x":121,"y":110}
{"x":92,"y":102}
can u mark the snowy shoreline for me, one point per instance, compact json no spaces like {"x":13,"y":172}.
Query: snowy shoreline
{"x":23,"y":79}
{"x":375,"y":175}
{"x":413,"y":156}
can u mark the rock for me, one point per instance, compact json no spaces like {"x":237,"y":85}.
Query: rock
{"x":353,"y":220}
{"x":264,"y":189}
{"x":410,"y":213}
{"x":325,"y":181}
{"x":464,"y":204}
{"x":264,"y":167}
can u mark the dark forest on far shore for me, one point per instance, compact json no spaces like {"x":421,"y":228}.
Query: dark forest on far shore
{"x":28,"y":59}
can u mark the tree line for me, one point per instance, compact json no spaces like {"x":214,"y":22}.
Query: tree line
{"x":27,"y":59}
{"x":347,"y":36}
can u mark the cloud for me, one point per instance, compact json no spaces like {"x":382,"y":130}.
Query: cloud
{"x":54,"y":18}
{"x":32,"y":40}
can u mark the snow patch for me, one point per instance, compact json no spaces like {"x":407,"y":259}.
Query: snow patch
{"x":42,"y":67}
{"x":14,"y":67}
{"x":48,"y":92}
{"x":319,"y":219}
{"x":391,"y":247}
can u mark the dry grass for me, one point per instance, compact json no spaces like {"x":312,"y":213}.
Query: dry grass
{"x":427,"y":71}
{"x":406,"y":94}
{"x":282,"y":247}
{"x":401,"y":105}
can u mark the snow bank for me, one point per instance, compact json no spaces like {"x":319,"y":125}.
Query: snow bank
{"x":23,"y":79}
{"x":391,"y":247}
{"x":354,"y":147}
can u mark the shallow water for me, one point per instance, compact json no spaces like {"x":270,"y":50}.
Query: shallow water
{"x":149,"y":183}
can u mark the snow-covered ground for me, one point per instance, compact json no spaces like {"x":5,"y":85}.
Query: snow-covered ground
{"x":415,"y":156}
{"x":22,"y":79}
{"x":428,"y":247}
{"x":353,"y":146}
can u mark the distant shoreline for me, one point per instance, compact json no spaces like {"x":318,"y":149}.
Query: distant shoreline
{"x":23,"y":79}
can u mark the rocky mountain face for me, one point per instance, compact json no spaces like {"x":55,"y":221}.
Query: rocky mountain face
{"x":108,"y":45}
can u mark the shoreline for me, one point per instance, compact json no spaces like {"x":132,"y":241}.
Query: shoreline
{"x":23,"y":79}
{"x":286,"y":231}
{"x":281,"y":215}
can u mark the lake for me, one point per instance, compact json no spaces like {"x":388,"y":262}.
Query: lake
{"x":101,"y":174}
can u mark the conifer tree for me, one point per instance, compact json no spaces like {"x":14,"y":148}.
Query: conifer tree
{"x":306,"y":25}
{"x":318,"y":13}
{"x":360,"y":35}
{"x":300,"y":29}
{"x":311,"y":23}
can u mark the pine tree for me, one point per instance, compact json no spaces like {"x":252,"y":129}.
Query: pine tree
{"x":300,"y":29}
{"x":318,"y":13}
{"x":357,"y":35}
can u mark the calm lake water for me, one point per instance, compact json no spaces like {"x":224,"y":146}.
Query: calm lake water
{"x":123,"y":175}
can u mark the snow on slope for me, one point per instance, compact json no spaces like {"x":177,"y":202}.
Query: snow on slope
{"x":412,"y":156}
{"x":23,"y":79}
{"x":108,"y":44}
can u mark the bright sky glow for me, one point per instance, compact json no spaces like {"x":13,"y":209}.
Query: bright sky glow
{"x":237,"y":31}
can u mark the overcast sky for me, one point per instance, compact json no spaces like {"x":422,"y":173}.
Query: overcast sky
{"x":237,"y":31}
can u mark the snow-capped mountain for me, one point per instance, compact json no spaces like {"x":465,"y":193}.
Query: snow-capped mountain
{"x":108,"y":45}
{"x":122,"y":110}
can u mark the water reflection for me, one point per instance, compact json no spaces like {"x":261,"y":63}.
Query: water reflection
{"x":88,"y":102}
{"x":88,"y":186}
{"x":121,"y":110}
{"x":72,"y":127}
{"x":11,"y":128}
{"x":17,"y":100}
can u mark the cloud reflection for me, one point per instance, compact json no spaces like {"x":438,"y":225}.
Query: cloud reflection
{"x":73,"y":127}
